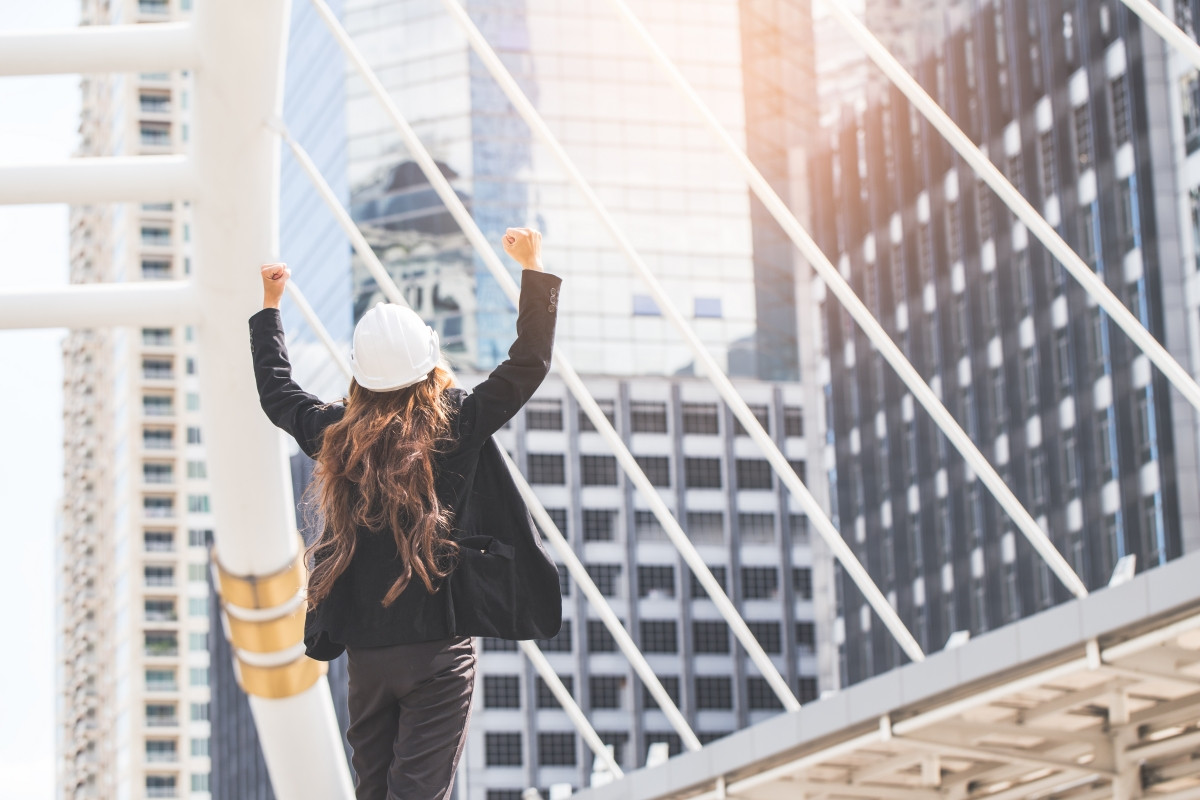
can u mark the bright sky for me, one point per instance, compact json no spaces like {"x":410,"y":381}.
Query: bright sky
{"x":38,"y":119}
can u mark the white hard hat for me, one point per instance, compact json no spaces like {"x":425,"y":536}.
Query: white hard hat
{"x":392,"y":348}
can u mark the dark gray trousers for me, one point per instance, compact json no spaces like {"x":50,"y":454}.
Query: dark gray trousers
{"x":409,"y":708}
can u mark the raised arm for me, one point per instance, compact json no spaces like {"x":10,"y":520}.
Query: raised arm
{"x":289,"y":407}
{"x":498,"y":398}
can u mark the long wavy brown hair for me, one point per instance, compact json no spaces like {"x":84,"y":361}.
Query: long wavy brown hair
{"x":375,"y":470}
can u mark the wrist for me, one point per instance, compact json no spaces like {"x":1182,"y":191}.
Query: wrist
{"x":271,"y":302}
{"x":534,"y":264}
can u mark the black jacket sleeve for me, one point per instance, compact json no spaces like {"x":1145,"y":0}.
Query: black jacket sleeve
{"x":496,"y":400}
{"x":289,"y":407}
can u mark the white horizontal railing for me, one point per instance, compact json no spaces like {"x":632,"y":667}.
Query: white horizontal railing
{"x":160,"y":47}
{"x":99,"y":180}
{"x":97,"y":305}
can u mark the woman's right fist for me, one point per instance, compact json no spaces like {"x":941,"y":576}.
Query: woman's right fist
{"x":274,"y":277}
{"x":525,"y":247}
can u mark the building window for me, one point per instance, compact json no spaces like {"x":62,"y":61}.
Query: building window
{"x":200,"y":781}
{"x":197,"y":607}
{"x":768,"y":634}
{"x":756,"y":528}
{"x":644,"y":306}
{"x":194,"y":435}
{"x":160,"y":786}
{"x":702,"y":473}
{"x":806,"y":636}
{"x":1144,"y":435}
{"x":547,"y":469}
{"x":657,"y":469}
{"x":156,"y":269}
{"x":200,"y":712}
{"x":798,"y":525}
{"x":648,"y":417}
{"x":503,"y":794}
{"x":807,"y":690}
{"x":617,"y":740}
{"x":197,"y":573}
{"x":646,"y":526}
{"x":546,"y":698}
{"x":199,"y":504}
{"x":561,"y":643}
{"x":159,"y":575}
{"x":708,"y":307}
{"x":544,"y":415}
{"x":156,"y":337}
{"x":502,"y":749}
{"x":158,"y":541}
{"x":598,"y":470}
{"x":753,"y":473}
{"x":501,"y":691}
{"x":605,"y":576}
{"x":197,"y":470}
{"x":1062,"y":359}
{"x":701,"y":418}
{"x":1083,"y":136}
{"x":671,"y":740}
{"x":760,"y":583}
{"x":656,"y":581}
{"x":556,"y":749}
{"x":606,"y":406}
{"x":1105,"y":428}
{"x":606,"y":690}
{"x":1120,"y":110}
{"x":161,"y":750}
{"x":714,"y":692}
{"x":659,"y":636}
{"x":198,"y":676}
{"x":1049,"y":164}
{"x":154,"y":134}
{"x":159,"y":610}
{"x":599,"y":639}
{"x":564,"y":581}
{"x":492,"y":645}
{"x":760,"y":413}
{"x":159,"y":644}
{"x":158,"y":369}
{"x":200,"y":538}
{"x":793,"y":421}
{"x":697,"y":590}
{"x":160,"y":680}
{"x":161,"y":715}
{"x":670,"y":684}
{"x":710,"y":637}
{"x":1191,"y":110}
{"x":802,"y":582}
{"x":706,"y":527}
{"x":1029,"y":364}
{"x":760,"y":696}
{"x":599,"y":524}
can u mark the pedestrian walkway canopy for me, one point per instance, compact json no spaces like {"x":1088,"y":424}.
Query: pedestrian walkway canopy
{"x":1096,"y":698}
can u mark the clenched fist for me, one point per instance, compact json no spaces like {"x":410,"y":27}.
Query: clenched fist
{"x":525,"y":246}
{"x":274,"y":277}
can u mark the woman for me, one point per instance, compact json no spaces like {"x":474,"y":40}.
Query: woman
{"x":425,"y":541}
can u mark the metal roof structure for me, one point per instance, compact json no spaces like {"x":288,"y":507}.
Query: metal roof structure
{"x":1098,"y":697}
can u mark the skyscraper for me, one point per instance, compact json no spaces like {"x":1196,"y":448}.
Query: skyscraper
{"x":1068,"y":99}
{"x":136,"y":524}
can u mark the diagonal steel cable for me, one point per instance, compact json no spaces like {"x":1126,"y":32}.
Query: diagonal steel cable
{"x":531,"y":651}
{"x":628,"y":463}
{"x":862,"y":315}
{"x":1164,"y":27}
{"x":711,"y":369}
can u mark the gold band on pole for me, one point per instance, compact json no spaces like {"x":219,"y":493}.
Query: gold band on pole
{"x":266,"y":635}
{"x":261,"y":591}
{"x":285,"y":680}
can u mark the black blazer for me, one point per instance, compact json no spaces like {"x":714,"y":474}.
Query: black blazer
{"x":505,"y":584}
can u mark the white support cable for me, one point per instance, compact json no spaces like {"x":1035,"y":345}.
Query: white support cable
{"x":361,"y":246}
{"x":628,"y":463}
{"x":570,"y":559}
{"x":578,"y":571}
{"x":1161,"y":24}
{"x":1017,"y":203}
{"x":865,"y":319}
{"x":711,"y":369}
{"x":542,"y":665}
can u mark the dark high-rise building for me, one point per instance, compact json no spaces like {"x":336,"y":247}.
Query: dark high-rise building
{"x":1068,"y":100}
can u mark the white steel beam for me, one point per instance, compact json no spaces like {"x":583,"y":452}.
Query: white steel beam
{"x":630,"y":466}
{"x":98,"y":180}
{"x":97,"y":305}
{"x":235,"y":214}
{"x":531,"y":651}
{"x":1092,"y":283}
{"x":1161,"y":24}
{"x":100,"y":48}
{"x":710,"y":368}
{"x":866,"y":320}
{"x":557,"y":540}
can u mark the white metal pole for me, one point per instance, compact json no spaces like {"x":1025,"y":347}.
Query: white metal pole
{"x":99,"y":180}
{"x":572,"y":708}
{"x":235,"y":215}
{"x":99,"y":48}
{"x":578,"y":571}
{"x":1161,"y":24}
{"x":711,"y":368}
{"x":1017,"y":203}
{"x":863,"y":316}
{"x":456,"y":208}
{"x":94,"y":305}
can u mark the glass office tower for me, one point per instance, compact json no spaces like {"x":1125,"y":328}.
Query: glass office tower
{"x":1068,"y":100}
